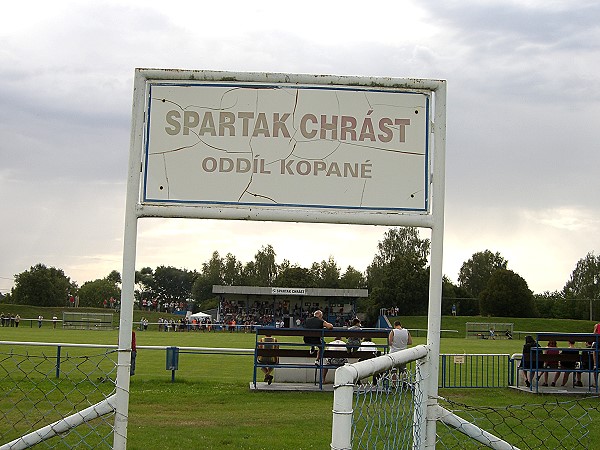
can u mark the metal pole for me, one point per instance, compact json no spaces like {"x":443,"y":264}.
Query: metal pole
{"x":128,"y":275}
{"x":58,"y":361}
{"x":435,"y":275}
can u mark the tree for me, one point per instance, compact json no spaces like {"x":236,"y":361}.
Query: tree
{"x":353,"y":279}
{"x":265,"y":268}
{"x":326,"y":273}
{"x":583,"y":287}
{"x":456,"y":295}
{"x":293,"y":276}
{"x":232,"y":270}
{"x":144,"y":279}
{"x":552,"y":305}
{"x":42,"y":286}
{"x":475,"y":273}
{"x":93,"y":293}
{"x":114,"y":277}
{"x":507,"y":294}
{"x":212,"y":274}
{"x":174,"y":284}
{"x":399,"y":276}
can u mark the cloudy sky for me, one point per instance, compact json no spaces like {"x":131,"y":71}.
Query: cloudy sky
{"x":523,"y":154}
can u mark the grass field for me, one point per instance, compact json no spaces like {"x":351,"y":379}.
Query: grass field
{"x":211,"y":406}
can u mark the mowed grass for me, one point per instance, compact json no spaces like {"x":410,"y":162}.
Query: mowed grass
{"x":210,"y":404}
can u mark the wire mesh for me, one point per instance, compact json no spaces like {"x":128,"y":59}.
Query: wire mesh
{"x":385,"y":416}
{"x":39,"y":386}
{"x":548,"y":426}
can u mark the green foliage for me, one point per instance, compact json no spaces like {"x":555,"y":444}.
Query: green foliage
{"x":353,"y":279}
{"x":264,"y":270}
{"x":507,"y":293}
{"x":42,"y":286}
{"x":93,"y":293}
{"x":584,"y":284}
{"x":326,"y":274}
{"x":459,"y":296}
{"x":172,"y":284}
{"x":294,"y":276}
{"x":399,"y":275}
{"x":475,"y":273}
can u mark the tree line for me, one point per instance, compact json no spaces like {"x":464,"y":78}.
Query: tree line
{"x":397,"y":277}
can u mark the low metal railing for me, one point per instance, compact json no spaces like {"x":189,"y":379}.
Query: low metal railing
{"x":475,"y":370}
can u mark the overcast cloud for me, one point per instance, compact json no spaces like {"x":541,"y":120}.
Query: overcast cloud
{"x":522,"y":144}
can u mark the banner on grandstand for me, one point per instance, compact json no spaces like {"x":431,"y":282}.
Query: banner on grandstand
{"x":258,"y":144}
{"x":288,"y":291}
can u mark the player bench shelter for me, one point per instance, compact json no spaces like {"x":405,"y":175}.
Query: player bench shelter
{"x":580,"y":362}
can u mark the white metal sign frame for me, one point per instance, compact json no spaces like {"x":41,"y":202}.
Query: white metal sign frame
{"x":429,"y":214}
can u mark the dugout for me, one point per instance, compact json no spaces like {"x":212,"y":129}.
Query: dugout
{"x":489,"y":330}
{"x":269,"y":305}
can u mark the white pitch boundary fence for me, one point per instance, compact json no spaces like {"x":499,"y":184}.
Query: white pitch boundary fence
{"x":425,"y":409}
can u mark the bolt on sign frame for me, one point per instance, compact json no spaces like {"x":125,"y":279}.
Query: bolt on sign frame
{"x":289,"y":148}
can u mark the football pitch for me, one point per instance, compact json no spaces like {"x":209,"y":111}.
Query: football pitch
{"x":210,"y":405}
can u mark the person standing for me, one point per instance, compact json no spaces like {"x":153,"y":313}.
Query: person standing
{"x":595,"y":353}
{"x":399,"y":339}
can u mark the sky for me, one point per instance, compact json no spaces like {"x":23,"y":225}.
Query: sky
{"x":523,"y":109}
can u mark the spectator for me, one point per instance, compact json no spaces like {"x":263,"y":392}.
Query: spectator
{"x":337,"y":344}
{"x":569,"y":366}
{"x":316,"y":322}
{"x":527,"y":365}
{"x":398,"y":339}
{"x":368,"y":346}
{"x":595,"y":356}
{"x":552,"y":350}
{"x":354,"y":341}
{"x":40,"y":319}
{"x":268,"y":342}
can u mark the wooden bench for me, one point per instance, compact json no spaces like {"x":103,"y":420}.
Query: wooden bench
{"x":300,"y":355}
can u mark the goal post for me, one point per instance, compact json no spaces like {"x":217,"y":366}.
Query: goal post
{"x":87,"y":320}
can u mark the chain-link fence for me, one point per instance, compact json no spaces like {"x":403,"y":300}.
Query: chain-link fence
{"x":548,"y":426}
{"x":59,"y":396}
{"x":385,"y":415}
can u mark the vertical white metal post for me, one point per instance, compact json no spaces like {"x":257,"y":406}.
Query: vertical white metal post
{"x":128,"y":275}
{"x":435,"y":275}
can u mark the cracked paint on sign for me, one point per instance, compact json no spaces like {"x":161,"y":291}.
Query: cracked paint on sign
{"x":286,"y":145}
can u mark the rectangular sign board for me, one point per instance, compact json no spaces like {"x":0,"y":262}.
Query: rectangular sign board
{"x":278,"y":145}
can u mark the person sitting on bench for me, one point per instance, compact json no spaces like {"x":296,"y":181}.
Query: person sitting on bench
{"x":316,"y":322}
{"x":336,"y":345}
